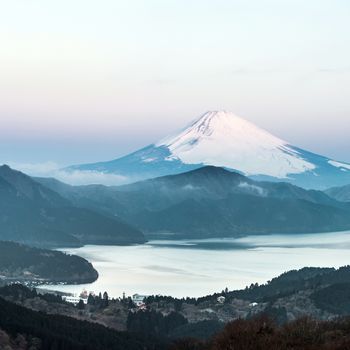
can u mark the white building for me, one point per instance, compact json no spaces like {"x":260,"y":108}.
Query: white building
{"x":138,"y":299}
{"x":73,"y":299}
{"x":221,"y":299}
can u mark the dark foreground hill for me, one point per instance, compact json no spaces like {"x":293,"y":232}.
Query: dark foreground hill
{"x":24,"y":329}
{"x":56,"y":332}
{"x":34,"y":214}
{"x":212,"y":202}
{"x":26,"y":264}
{"x":263,"y":334}
{"x":301,"y":309}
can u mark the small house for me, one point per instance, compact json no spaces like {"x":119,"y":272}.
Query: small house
{"x":221,"y":299}
{"x":138,"y":299}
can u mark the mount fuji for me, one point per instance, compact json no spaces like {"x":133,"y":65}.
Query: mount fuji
{"x":222,"y":139}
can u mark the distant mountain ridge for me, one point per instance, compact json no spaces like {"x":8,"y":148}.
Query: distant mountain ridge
{"x":341,"y":193}
{"x":34,"y":214}
{"x":212,"y":202}
{"x":222,"y":139}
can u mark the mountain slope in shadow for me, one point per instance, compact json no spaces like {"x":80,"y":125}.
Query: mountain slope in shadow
{"x":34,"y":214}
{"x":212,"y":202}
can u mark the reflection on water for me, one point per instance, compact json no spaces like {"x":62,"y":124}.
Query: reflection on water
{"x":201,"y":267}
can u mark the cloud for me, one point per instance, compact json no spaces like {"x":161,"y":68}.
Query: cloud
{"x":253,"y":188}
{"x":160,"y":81}
{"x":256,"y":71}
{"x":334,"y":70}
{"x":76,"y":177}
{"x":190,"y":187}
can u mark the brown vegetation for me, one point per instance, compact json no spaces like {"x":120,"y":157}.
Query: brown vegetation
{"x":263,"y":334}
{"x":19,"y":342}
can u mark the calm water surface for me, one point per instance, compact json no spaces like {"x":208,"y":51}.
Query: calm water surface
{"x":200,"y":267}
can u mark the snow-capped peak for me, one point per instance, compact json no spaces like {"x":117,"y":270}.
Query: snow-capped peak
{"x":221,"y":138}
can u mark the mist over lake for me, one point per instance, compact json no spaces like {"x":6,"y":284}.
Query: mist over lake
{"x":199,"y":267}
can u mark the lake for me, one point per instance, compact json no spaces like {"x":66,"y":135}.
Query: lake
{"x":200,"y":267}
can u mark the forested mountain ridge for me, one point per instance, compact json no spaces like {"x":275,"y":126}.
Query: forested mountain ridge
{"x":34,"y":214}
{"x":212,"y":202}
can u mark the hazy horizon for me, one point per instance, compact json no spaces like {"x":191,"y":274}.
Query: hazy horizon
{"x":84,"y":82}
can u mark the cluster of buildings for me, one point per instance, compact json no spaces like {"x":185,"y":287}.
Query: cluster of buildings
{"x":137,"y":299}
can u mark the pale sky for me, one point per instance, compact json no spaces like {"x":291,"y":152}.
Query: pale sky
{"x":84,"y":80}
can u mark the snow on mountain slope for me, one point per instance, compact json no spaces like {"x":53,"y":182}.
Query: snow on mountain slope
{"x":223,"y":139}
{"x":340,"y":165}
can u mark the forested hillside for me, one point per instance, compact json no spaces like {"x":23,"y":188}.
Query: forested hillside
{"x":34,"y":214}
{"x":26,"y":264}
